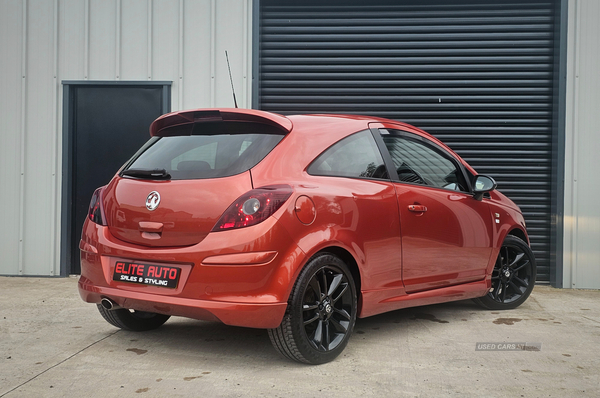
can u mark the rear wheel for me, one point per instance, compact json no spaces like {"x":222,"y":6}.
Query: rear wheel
{"x":321,"y":313}
{"x":136,"y":321}
{"x":513,"y":276}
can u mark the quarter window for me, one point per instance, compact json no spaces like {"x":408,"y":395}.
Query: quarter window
{"x":354,"y":156}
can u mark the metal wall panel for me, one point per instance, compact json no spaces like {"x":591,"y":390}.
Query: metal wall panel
{"x":217,"y":26}
{"x":40,"y":138}
{"x":102,"y":39}
{"x":45,"y":42}
{"x":582,"y":185}
{"x":166,"y":42}
{"x":197,"y":65}
{"x":73,"y":40}
{"x":133,"y":54}
{"x":12,"y":82}
{"x":476,"y":74}
{"x":234,"y":38}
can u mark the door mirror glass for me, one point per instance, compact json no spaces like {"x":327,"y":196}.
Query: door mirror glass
{"x":484,"y":184}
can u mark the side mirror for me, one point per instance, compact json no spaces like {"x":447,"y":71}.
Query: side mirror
{"x":482,"y":185}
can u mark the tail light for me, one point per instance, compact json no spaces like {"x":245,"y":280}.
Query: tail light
{"x":253,"y":207}
{"x":96,"y":212}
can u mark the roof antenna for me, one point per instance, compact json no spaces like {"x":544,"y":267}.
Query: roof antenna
{"x":231,"y":79}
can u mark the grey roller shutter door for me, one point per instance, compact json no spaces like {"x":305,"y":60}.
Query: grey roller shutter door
{"x":476,"y":74}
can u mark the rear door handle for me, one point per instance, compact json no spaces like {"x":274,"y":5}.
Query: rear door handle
{"x":417,"y":208}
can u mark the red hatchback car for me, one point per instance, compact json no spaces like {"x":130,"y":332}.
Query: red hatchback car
{"x":298,"y":225}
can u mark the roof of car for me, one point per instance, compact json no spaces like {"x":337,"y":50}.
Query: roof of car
{"x":284,"y":124}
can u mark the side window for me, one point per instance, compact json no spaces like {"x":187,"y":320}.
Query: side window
{"x":354,"y":156}
{"x":417,"y":163}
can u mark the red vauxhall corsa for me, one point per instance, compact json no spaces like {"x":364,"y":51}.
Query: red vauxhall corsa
{"x":298,"y":225}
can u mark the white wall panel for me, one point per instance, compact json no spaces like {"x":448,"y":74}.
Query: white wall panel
{"x":182,"y":41}
{"x":230,"y":25}
{"x":134,"y":40}
{"x":582,"y":185}
{"x":197,"y":50}
{"x":40,"y":138}
{"x":72,"y":39}
{"x":11,"y":79}
{"x":102,"y":39}
{"x":165,"y":44}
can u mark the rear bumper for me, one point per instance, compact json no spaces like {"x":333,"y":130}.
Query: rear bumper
{"x":240,"y":277}
{"x":264,"y":316}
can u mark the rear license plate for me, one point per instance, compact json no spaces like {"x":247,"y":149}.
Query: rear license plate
{"x":146,"y":274}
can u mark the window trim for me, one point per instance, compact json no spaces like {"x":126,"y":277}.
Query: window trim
{"x":385,"y":153}
{"x":427,"y":143}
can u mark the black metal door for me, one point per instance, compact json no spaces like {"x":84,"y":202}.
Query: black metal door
{"x":476,"y":74}
{"x":107,"y":124}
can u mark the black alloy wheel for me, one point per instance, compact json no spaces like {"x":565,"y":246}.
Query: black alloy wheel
{"x":513,"y":276}
{"x":321,"y":313}
{"x":325,"y":309}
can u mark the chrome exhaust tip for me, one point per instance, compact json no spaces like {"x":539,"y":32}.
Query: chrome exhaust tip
{"x":109,"y":304}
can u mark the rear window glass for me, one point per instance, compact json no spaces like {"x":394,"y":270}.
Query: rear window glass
{"x":205,"y":156}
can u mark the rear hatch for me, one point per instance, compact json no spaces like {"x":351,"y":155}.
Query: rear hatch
{"x":174,"y":190}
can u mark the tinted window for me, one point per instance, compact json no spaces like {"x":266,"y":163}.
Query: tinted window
{"x":206,"y":156}
{"x":354,"y":156}
{"x":418,"y":163}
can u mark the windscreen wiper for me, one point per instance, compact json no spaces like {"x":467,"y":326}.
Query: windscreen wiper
{"x":155,"y":174}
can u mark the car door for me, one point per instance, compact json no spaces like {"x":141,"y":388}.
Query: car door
{"x":357,"y":204}
{"x":446,"y":233}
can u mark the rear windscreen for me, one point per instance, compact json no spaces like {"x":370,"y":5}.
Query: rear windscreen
{"x":204,"y":156}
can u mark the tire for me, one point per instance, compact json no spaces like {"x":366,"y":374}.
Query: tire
{"x":321,"y":313}
{"x":513,"y":276}
{"x":136,"y":321}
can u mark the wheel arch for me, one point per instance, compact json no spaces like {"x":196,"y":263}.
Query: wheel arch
{"x":519,"y":233}
{"x":348,"y":259}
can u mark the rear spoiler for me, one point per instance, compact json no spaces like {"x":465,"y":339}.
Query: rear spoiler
{"x":168,"y":124}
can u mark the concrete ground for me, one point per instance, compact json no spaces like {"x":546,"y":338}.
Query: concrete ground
{"x":52,"y":344}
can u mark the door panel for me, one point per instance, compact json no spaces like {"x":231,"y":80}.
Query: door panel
{"x":105,"y":125}
{"x":446,"y":233}
{"x":448,"y":243}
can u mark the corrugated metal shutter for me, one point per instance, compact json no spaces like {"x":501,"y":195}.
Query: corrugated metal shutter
{"x":476,"y":74}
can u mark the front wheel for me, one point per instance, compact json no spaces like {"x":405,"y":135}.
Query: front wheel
{"x":513,"y":276}
{"x":136,"y":321}
{"x":321,"y":313}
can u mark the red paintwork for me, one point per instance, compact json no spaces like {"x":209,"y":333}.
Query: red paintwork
{"x":305,"y":210}
{"x":188,"y":211}
{"x":401,"y":257}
